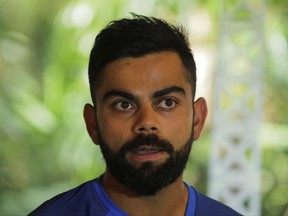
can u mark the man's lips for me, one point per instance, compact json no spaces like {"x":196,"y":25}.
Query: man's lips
{"x":147,"y":150}
{"x":147,"y":153}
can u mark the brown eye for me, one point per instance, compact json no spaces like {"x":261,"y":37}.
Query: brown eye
{"x":167,"y":104}
{"x":123,"y":105}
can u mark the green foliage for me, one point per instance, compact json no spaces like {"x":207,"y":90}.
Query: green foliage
{"x":44,"y":49}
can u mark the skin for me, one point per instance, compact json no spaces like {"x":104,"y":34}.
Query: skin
{"x":149,"y":94}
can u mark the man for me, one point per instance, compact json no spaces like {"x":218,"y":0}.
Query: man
{"x":144,"y":117}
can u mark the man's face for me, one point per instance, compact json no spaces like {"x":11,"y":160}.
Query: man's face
{"x":144,"y":120}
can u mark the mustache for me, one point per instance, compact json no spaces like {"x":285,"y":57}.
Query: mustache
{"x":151,"y":140}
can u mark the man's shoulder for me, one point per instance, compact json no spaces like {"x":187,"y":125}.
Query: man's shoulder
{"x":82,"y":198}
{"x":208,"y":206}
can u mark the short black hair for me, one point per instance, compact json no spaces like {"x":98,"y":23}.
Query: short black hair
{"x":136,"y":37}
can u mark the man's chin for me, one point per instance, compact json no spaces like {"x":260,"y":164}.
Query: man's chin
{"x":148,"y":170}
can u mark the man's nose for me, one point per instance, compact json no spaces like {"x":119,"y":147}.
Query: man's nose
{"x":146,"y":121}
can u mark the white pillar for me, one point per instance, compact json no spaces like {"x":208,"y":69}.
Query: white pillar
{"x":234,"y":170}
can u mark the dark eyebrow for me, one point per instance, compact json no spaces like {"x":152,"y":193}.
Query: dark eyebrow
{"x":124,"y":94}
{"x":165,"y":91}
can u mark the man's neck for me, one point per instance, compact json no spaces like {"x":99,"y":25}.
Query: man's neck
{"x":171,"y":200}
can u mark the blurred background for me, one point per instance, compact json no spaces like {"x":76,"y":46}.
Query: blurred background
{"x":44,"y":51}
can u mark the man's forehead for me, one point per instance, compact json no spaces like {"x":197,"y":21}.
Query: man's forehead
{"x":152,"y":68}
{"x":148,"y":73}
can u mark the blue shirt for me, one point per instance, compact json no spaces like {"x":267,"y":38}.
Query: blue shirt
{"x":90,"y":199}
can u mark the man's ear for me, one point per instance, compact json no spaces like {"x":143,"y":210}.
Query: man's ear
{"x":90,"y":120}
{"x":200,"y":113}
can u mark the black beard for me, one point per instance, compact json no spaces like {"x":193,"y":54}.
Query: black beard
{"x":149,"y":178}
